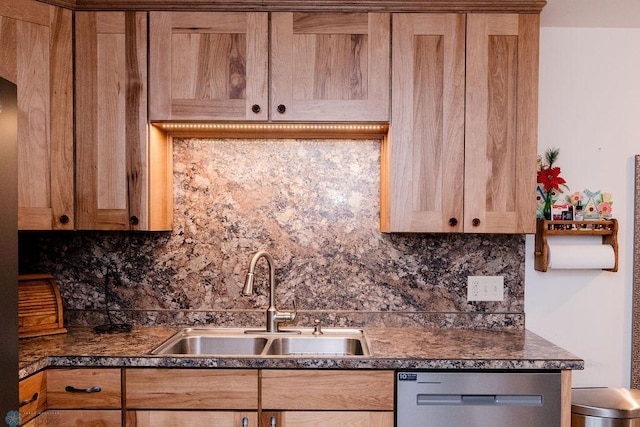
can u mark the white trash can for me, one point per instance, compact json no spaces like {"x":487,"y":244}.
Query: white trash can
{"x":605,"y":407}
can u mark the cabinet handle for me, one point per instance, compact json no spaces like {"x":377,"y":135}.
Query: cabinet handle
{"x":245,"y":422}
{"x":26,"y":402}
{"x":72,"y":389}
{"x":134,"y":220}
{"x":475,"y":222}
{"x":281,"y":109}
{"x":255,"y":108}
{"x":272,"y":422}
{"x":64,"y":219}
{"x":453,"y":222}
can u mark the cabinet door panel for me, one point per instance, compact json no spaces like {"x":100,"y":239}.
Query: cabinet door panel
{"x":208,"y":66}
{"x":330,"y":66}
{"x":501,"y":122}
{"x":191,"y":419}
{"x":34,"y":172}
{"x":425,"y":147}
{"x":111,"y":128}
{"x":329,"y":419}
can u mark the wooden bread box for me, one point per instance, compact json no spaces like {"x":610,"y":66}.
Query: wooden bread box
{"x":39,"y":306}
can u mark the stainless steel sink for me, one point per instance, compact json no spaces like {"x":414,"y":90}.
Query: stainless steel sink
{"x":317,"y":346}
{"x":208,"y":341}
{"x":243,"y":342}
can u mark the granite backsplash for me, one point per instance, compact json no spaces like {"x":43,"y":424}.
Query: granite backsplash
{"x":314,"y":205}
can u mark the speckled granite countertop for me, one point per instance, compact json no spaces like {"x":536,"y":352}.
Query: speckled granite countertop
{"x":392,"y":348}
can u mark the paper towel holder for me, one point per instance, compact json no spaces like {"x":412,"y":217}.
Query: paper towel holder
{"x":608,"y":229}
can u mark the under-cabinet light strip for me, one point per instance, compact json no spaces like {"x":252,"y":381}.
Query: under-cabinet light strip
{"x":275,"y":126}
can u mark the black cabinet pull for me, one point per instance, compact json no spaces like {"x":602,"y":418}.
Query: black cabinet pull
{"x":255,"y":108}
{"x":64,"y":219}
{"x":26,"y":402}
{"x":134,"y":220}
{"x":281,"y":108}
{"x":475,"y":222}
{"x":72,"y":389}
{"x":245,"y":422}
{"x":453,"y":222}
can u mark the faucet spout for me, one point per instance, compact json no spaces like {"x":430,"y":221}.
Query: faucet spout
{"x":274,"y":317}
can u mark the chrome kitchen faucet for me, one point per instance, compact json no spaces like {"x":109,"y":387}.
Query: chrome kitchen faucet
{"x":274,"y":317}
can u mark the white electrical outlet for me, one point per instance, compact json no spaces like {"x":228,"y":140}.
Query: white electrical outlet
{"x":485,"y":288}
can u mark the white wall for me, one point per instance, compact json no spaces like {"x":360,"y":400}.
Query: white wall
{"x":590,"y":110}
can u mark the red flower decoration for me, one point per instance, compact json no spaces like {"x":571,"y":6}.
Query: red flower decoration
{"x":550,"y":178}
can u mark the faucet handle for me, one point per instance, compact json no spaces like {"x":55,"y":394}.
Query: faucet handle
{"x":287,"y":316}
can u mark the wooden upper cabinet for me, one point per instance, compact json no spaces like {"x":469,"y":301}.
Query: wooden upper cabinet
{"x":501,"y":123}
{"x":208,"y":66}
{"x":312,"y":66}
{"x":330,"y":66}
{"x":460,"y":155}
{"x":423,"y":155}
{"x":116,"y":151}
{"x":37,"y":56}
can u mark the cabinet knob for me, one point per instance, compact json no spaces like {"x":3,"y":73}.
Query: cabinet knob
{"x":26,"y":402}
{"x":64,"y":219}
{"x":255,"y":108}
{"x":475,"y":222}
{"x":281,"y":108}
{"x":453,"y":222}
{"x":134,"y":220}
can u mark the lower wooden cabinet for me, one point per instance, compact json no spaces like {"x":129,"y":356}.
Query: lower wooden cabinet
{"x":191,"y":419}
{"x":146,"y":397}
{"x":327,"y":419}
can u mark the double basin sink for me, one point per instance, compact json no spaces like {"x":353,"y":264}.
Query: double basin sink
{"x":246,"y":342}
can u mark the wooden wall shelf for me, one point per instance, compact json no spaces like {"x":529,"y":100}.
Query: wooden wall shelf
{"x":608,"y":229}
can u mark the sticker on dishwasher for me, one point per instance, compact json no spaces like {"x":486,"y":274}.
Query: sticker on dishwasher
{"x":407,"y":376}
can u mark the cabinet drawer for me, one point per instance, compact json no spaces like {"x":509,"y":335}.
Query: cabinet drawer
{"x":33,"y":396}
{"x":191,"y":388}
{"x":83,"y":388}
{"x":191,"y":418}
{"x":327,"y":390}
{"x":78,"y":417}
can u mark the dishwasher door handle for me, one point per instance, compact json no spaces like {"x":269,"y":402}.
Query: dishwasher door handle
{"x":479,"y":400}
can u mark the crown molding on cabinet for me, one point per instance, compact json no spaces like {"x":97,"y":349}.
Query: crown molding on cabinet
{"x":520,"y":6}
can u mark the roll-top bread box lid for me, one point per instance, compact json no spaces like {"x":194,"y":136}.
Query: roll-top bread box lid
{"x":39,"y":306}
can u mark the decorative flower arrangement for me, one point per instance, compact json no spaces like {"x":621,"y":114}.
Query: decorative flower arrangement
{"x":549,"y":179}
{"x":595,"y":204}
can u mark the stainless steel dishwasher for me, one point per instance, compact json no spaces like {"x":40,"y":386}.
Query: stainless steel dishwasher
{"x":478,"y":399}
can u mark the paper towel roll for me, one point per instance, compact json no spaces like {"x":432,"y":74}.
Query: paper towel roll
{"x":581,"y":256}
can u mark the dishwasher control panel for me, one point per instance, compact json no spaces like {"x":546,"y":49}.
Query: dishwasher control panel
{"x":478,"y":399}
